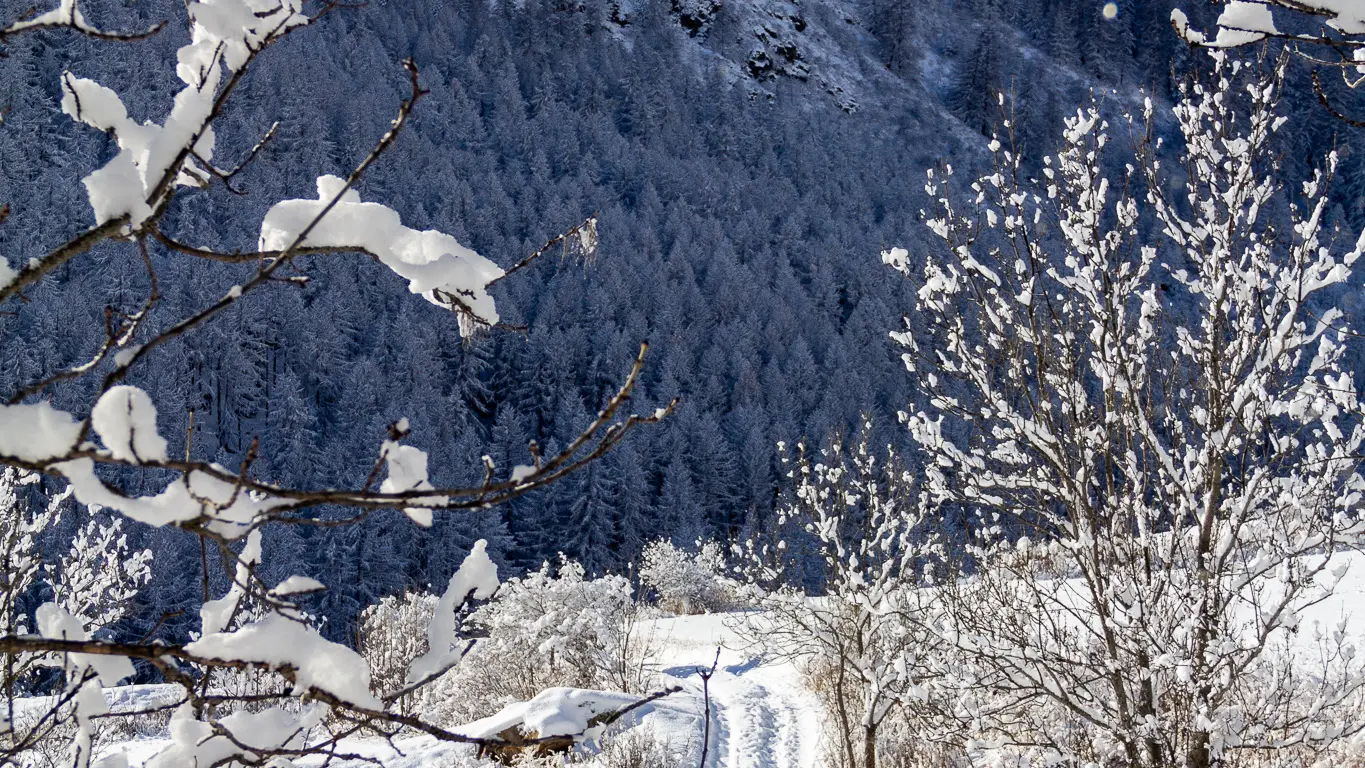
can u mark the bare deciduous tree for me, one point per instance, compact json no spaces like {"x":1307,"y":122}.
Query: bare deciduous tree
{"x":1159,"y":437}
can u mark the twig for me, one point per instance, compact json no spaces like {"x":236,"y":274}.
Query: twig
{"x":706,"y":675}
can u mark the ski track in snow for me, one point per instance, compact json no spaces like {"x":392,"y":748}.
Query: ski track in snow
{"x":761,"y":716}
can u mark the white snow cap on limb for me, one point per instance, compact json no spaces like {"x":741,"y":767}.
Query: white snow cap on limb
{"x":1244,"y":22}
{"x":36,"y":432}
{"x":232,"y":511}
{"x":125,"y":419}
{"x":408,"y":472}
{"x":1348,"y":16}
{"x":478,"y":575}
{"x":222,"y":34}
{"x":553,"y":712}
{"x":1248,"y":21}
{"x":278,"y":641}
{"x":56,"y":624}
{"x":194,"y":742}
{"x":214,"y":615}
{"x":432,"y":262}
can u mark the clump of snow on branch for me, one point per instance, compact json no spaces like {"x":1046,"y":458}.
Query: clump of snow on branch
{"x":125,"y":420}
{"x":277,"y":641}
{"x":36,"y":432}
{"x":408,"y":472}
{"x":154,"y":157}
{"x":476,"y":578}
{"x":229,"y":510}
{"x":435,"y":264}
{"x":553,"y":712}
{"x":215,"y":615}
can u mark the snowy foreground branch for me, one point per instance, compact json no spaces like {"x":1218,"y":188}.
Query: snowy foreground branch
{"x":1326,"y":34}
{"x":256,"y":627}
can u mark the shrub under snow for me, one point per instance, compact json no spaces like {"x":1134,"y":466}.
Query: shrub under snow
{"x":688,"y":582}
{"x":552,"y":627}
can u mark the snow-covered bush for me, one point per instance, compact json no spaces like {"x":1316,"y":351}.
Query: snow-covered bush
{"x":553,"y":627}
{"x":638,"y":747}
{"x":687,"y":582}
{"x":95,"y":581}
{"x":562,"y":628}
{"x":392,"y":634}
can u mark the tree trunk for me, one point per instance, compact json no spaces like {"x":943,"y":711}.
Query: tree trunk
{"x":869,"y":746}
{"x":1198,"y":755}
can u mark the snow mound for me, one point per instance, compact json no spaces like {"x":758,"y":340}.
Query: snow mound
{"x":553,"y":712}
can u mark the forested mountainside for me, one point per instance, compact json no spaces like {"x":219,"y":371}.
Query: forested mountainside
{"x":746,"y":161}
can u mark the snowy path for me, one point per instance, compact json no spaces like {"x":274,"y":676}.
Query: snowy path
{"x":761,"y":714}
{"x":761,"y":717}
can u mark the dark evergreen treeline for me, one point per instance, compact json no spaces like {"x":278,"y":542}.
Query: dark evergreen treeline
{"x":741,"y":214}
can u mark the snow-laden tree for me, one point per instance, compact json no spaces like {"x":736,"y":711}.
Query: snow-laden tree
{"x":94,"y":580}
{"x":1137,"y":384}
{"x":871,"y":536}
{"x":113,"y":443}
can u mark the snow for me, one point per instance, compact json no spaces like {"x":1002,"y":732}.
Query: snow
{"x":215,"y":615}
{"x":198,"y":743}
{"x":231,"y":510}
{"x":125,"y":420}
{"x":65,"y":14}
{"x":553,"y":712}
{"x":133,"y":183}
{"x":1348,"y":16}
{"x":55,"y":623}
{"x":278,"y":641}
{"x":762,"y":714}
{"x":36,"y":432}
{"x":1244,"y":22}
{"x":408,"y":472}
{"x":477,"y":576}
{"x":435,"y":264}
{"x":297,"y":585}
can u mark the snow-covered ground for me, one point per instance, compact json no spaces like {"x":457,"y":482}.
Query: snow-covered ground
{"x":761,"y":716}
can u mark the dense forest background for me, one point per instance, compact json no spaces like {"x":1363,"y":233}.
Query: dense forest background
{"x":747,"y":161}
